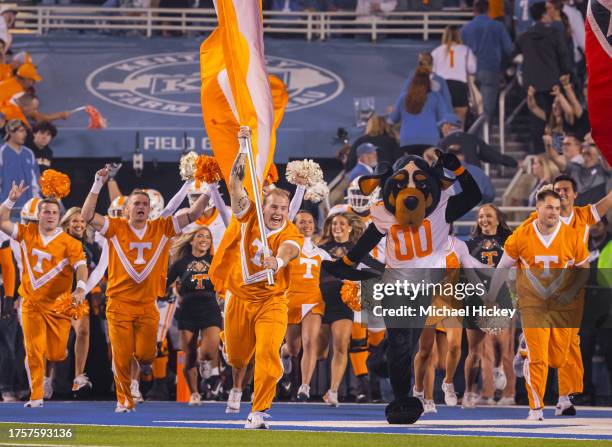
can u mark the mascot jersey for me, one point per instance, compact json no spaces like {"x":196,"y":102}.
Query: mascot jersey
{"x":418,"y":247}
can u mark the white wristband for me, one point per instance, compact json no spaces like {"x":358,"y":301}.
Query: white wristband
{"x":8,"y":204}
{"x":280,"y":263}
{"x":81,"y":285}
{"x":97,"y":186}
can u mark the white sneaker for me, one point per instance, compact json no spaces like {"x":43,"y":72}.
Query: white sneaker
{"x":9,"y":396}
{"x":418,"y":394}
{"x":257,"y":419}
{"x":499,"y":378}
{"x":519,"y":358}
{"x":535,"y":415}
{"x":469,"y":400}
{"x":506,"y":401}
{"x":120,"y":408}
{"x":81,"y":382}
{"x":38,"y":403}
{"x":450,"y":398}
{"x":233,"y":401}
{"x":136,"y":394}
{"x":429,"y":407}
{"x":303,"y":393}
{"x":48,"y":388}
{"x":565,"y":407}
{"x":485,"y":401}
{"x":331,"y":398}
{"x":287,"y":364}
{"x":195,"y":400}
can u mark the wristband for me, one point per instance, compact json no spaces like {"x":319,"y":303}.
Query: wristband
{"x":280,"y":263}
{"x":81,"y":285}
{"x":8,"y":204}
{"x":97,"y":186}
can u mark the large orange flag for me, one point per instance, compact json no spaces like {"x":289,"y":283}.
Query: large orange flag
{"x":236,"y":90}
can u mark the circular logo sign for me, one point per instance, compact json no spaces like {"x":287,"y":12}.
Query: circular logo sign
{"x":169,"y":83}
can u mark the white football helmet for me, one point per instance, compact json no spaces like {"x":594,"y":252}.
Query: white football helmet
{"x":29,"y":212}
{"x":358,"y":201}
{"x":117,"y":206}
{"x":157,"y":203}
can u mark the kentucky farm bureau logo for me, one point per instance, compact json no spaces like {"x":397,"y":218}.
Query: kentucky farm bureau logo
{"x":169,"y":83}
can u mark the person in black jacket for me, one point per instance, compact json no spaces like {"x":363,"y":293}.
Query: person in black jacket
{"x":379,"y":134}
{"x":198,"y":313}
{"x":545,"y":59}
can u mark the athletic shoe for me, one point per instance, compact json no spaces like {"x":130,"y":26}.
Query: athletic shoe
{"x":257,"y":420}
{"x":303,"y":393}
{"x":499,"y":378}
{"x":485,"y":401}
{"x":519,"y":358}
{"x":362,"y":389}
{"x":38,"y":403}
{"x":9,"y":396}
{"x":450,"y":398}
{"x":429,"y":407}
{"x":331,"y":398}
{"x":284,"y":388}
{"x":233,"y":401}
{"x":565,"y":407}
{"x":469,"y":400}
{"x":506,"y":401}
{"x":535,"y":415}
{"x":81,"y":384}
{"x":214,"y":386}
{"x":136,"y":394}
{"x":287,"y":364}
{"x":48,"y":388}
{"x":195,"y":400}
{"x":122,"y":408}
{"x":418,"y":394}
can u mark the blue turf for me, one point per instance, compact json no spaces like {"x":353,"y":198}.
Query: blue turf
{"x":171,"y":414}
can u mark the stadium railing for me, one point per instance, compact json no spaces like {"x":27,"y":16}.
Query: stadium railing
{"x":313,"y":25}
{"x":503,"y":121}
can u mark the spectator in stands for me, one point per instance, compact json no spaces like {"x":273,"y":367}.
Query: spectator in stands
{"x":17,"y":164}
{"x":455,"y":62}
{"x":522,"y":17}
{"x":576,"y":23}
{"x":484,"y":182}
{"x":419,"y":110}
{"x":6,"y":70}
{"x":24,"y":107}
{"x":380,"y":134}
{"x":366,"y":161}
{"x":491,"y":44}
{"x":25,"y":78}
{"x":571,"y":148}
{"x":438,"y":83}
{"x":8,"y":15}
{"x":545,"y":59}
{"x":42,"y":135}
{"x":545,"y":171}
{"x":592,"y":174}
{"x":559,"y":21}
{"x":474,"y":149}
{"x":581,"y":125}
{"x":369,"y":9}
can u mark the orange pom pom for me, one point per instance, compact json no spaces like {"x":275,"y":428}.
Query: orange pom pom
{"x":54,"y":184}
{"x":64,"y":306}
{"x":272,"y":176}
{"x":350,"y":294}
{"x":207,"y":169}
{"x":96,"y":120}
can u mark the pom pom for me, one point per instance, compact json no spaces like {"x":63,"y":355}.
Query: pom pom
{"x":64,"y":305}
{"x":96,"y":120}
{"x":351,"y":295}
{"x":272,"y":176}
{"x":306,"y":170}
{"x":207,"y":169}
{"x":187,"y":166}
{"x":317,"y":192}
{"x":54,"y":184}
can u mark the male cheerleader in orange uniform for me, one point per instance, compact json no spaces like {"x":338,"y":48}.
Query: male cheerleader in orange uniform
{"x":49,"y":258}
{"x":137,"y":269}
{"x":255,"y":312}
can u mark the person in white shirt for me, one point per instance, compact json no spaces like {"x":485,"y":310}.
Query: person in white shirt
{"x":368,"y":9}
{"x":577,"y":25}
{"x":455,"y":62}
{"x":8,"y":15}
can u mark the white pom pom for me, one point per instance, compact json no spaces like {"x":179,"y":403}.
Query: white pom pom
{"x":307,"y":170}
{"x":317,"y":192}
{"x":187,"y":166}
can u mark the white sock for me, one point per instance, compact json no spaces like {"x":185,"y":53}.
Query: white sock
{"x":563,"y":399}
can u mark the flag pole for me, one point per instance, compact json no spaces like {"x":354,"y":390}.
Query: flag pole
{"x":256,"y":197}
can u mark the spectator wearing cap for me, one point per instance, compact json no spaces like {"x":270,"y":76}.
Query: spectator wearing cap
{"x":8,"y":15}
{"x":418,"y":110}
{"x":474,"y":149}
{"x":23,"y":81}
{"x":367,"y":159}
{"x":484,"y":182}
{"x":40,"y":139}
{"x":379,"y":133}
{"x":491,"y":44}
{"x":17,"y":164}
